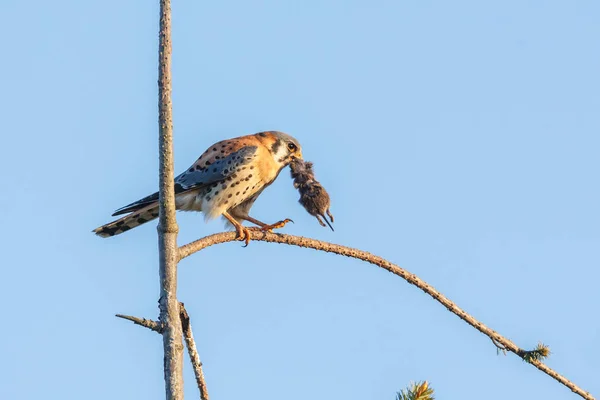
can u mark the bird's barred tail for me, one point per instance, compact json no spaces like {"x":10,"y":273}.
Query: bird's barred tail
{"x":128,"y":222}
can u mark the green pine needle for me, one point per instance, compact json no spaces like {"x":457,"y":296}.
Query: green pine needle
{"x":416,"y":391}
{"x":538,"y":354}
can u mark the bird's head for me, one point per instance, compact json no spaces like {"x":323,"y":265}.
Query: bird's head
{"x":283,"y":147}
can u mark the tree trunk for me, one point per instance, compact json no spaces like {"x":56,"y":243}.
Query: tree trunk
{"x":167,"y":226}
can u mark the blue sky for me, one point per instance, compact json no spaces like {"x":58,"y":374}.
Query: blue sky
{"x":457,"y":139}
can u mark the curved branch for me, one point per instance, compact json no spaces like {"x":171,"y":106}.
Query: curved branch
{"x":193,"y":247}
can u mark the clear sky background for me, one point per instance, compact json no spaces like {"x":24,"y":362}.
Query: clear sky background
{"x":458,"y":139}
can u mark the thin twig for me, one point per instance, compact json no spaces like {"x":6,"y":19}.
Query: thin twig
{"x":191,"y":248}
{"x":146,"y":323}
{"x":499,"y":347}
{"x":188,"y":335}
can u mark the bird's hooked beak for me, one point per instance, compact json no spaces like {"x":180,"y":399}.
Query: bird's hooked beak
{"x":298,"y":156}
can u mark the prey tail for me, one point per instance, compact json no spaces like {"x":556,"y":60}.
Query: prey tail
{"x":128,"y":222}
{"x":319,"y":216}
{"x":325,"y":218}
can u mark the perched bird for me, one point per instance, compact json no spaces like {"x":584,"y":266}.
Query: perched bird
{"x":225,"y":180}
{"x":313,"y":196}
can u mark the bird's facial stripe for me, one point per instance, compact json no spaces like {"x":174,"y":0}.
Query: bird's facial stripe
{"x":276,"y":146}
{"x":280,"y":152}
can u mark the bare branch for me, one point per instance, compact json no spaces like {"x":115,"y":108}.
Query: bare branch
{"x":193,"y":351}
{"x":191,"y":248}
{"x":167,"y":226}
{"x":146,"y":323}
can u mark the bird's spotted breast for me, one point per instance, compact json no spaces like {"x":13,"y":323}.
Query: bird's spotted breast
{"x":229,"y":193}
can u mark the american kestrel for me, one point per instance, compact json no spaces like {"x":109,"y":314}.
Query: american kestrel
{"x":226,"y":180}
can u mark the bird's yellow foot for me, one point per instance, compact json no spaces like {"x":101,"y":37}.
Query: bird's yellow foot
{"x":276,"y":225}
{"x":243,"y":234}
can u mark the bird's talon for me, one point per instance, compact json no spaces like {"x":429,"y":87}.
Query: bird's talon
{"x":243,"y":235}
{"x":276,"y":225}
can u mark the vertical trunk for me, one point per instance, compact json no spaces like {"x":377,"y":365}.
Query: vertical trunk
{"x":167,"y":226}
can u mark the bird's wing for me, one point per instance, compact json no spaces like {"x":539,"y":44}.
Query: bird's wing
{"x":212,"y":167}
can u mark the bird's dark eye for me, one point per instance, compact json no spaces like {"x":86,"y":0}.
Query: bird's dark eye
{"x":292,"y":146}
